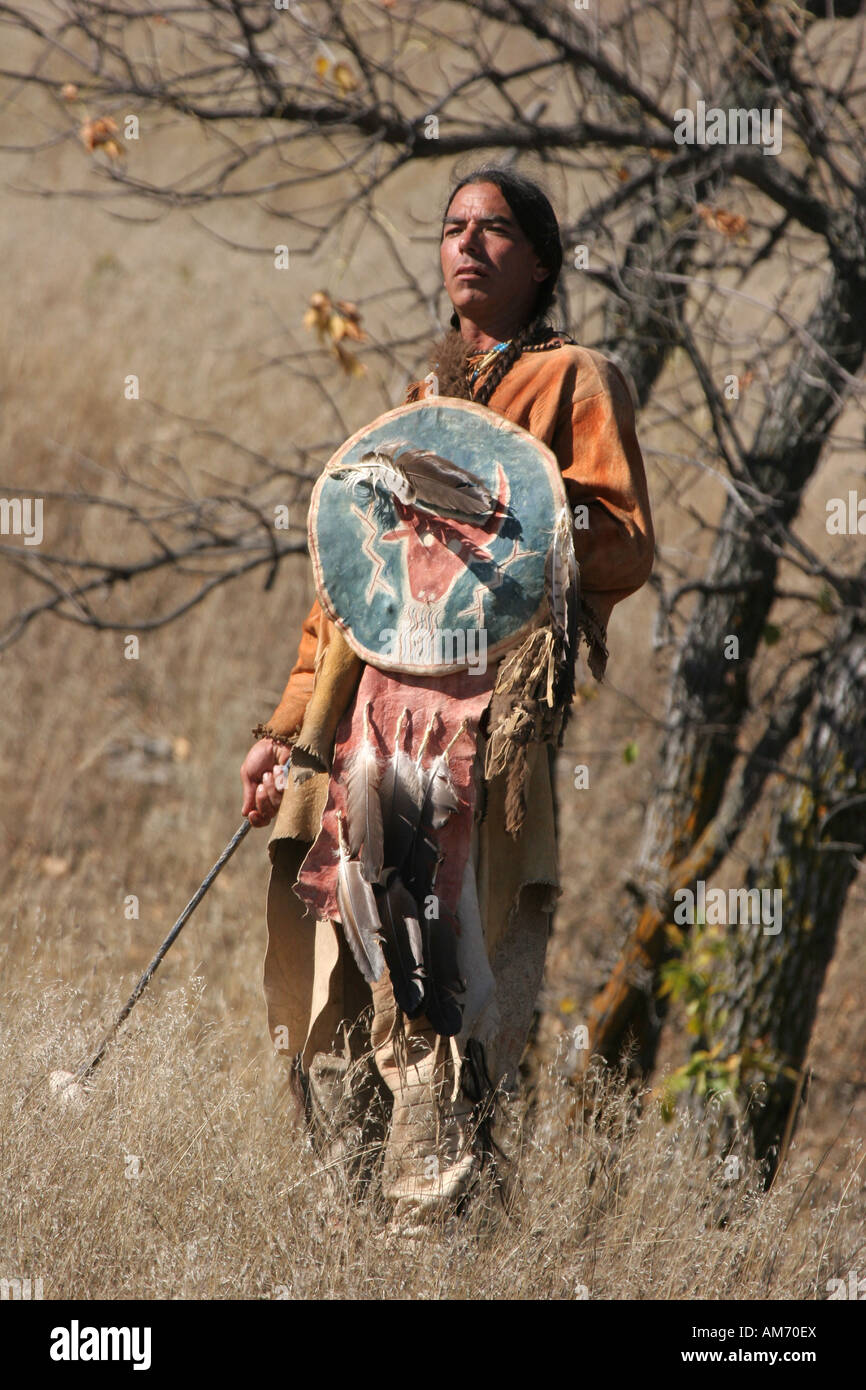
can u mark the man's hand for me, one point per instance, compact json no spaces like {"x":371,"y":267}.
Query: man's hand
{"x":262,"y":796}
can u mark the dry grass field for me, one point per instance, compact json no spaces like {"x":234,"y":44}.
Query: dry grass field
{"x":181,"y":1177}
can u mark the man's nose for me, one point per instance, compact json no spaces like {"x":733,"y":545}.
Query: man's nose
{"x":468,"y":239}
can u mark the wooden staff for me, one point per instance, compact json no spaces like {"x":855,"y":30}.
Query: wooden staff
{"x":86,"y":1070}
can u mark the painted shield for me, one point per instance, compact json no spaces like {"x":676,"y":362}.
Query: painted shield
{"x":420,"y":585}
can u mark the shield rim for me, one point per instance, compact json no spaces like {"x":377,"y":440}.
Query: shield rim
{"x":389,"y":664}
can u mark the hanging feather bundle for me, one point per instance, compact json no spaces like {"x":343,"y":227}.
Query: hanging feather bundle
{"x":561,"y":574}
{"x":440,"y":798}
{"x":423,"y":856}
{"x":393,"y":814}
{"x":438,"y":801}
{"x":422,"y":866}
{"x":358,"y":912}
{"x":400,"y":797}
{"x":363,"y":806}
{"x":443,"y":982}
{"x":422,"y":749}
{"x":422,"y":480}
{"x":403,"y":946}
{"x":562,"y":586}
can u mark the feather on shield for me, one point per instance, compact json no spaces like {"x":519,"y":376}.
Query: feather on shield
{"x":440,"y":486}
{"x":358,"y":912}
{"x":420,"y":479}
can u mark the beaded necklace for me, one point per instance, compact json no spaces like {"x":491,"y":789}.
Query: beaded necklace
{"x":479,"y":361}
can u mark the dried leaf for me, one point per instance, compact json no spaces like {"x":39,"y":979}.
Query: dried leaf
{"x":344,"y":78}
{"x":730,"y":224}
{"x":100,"y":131}
{"x":337,"y":327}
{"x":350,"y":317}
{"x":348,"y":361}
{"x":334,"y":320}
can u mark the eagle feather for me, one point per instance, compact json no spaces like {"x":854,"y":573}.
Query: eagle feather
{"x":400,"y":795}
{"x":402,"y":945}
{"x":420,"y":479}
{"x":363,"y":806}
{"x":442,"y":980}
{"x":358,"y":913}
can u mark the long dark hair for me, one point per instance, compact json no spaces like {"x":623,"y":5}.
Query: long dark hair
{"x":535,"y":217}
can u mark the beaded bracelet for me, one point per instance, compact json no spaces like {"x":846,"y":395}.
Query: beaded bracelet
{"x":263,"y":731}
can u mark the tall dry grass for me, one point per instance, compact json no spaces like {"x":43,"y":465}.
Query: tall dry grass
{"x":181,"y":1176}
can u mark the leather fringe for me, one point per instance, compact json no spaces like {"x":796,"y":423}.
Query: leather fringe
{"x":519,"y":711}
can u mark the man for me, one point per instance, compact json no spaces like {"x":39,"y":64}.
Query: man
{"x":501,"y":255}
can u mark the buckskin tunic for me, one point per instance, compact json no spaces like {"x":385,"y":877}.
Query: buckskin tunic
{"x":578,"y":403}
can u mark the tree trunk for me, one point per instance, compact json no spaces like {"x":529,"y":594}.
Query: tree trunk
{"x":708,"y":695}
{"x":766,"y":997}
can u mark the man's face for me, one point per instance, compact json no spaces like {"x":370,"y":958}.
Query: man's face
{"x":491,"y":272}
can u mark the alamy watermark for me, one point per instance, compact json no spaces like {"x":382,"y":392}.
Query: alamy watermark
{"x":729,"y":907}
{"x":22,"y":516}
{"x":737,"y":126}
{"x":846,"y":516}
{"x":440,"y":646}
{"x":77,"y":1343}
{"x":851,"y":1288}
{"x":21,"y":1290}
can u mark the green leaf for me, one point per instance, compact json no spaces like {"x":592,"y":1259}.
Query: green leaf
{"x":825,"y":599}
{"x":629,"y":753}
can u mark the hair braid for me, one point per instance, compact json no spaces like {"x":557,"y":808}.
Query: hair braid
{"x":503,"y":363}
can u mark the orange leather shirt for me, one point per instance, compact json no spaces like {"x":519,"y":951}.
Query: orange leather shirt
{"x":576,"y":401}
